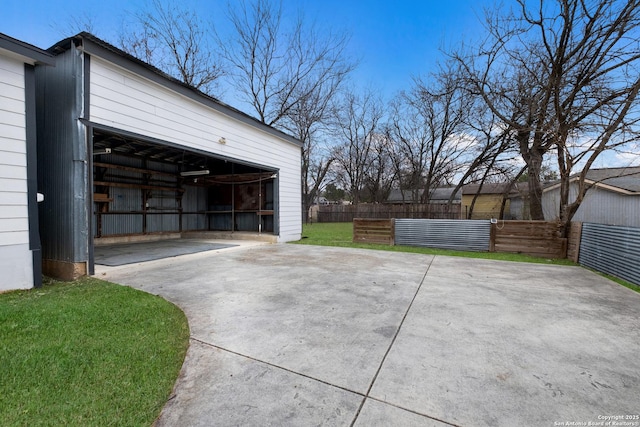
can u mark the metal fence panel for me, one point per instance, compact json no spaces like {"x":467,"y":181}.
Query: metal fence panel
{"x":611,"y":249}
{"x":464,"y":235}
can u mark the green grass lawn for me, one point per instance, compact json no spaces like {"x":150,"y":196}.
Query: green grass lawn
{"x":87,"y":353}
{"x":341,"y":234}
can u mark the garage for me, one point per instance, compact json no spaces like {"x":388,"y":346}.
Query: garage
{"x":144,"y":189}
{"x":130,"y":154}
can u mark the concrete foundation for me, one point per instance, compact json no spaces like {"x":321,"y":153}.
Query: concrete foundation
{"x":63,"y":270}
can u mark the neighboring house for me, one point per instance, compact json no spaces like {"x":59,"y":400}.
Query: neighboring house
{"x":519,"y":208}
{"x":439,"y":195}
{"x":489,"y":202}
{"x":20,"y":256}
{"x":614,"y":198}
{"x":129,"y":153}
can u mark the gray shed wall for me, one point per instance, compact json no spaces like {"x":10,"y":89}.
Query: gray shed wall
{"x":599,"y":206}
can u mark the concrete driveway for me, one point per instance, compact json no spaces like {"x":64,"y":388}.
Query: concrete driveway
{"x":302,"y":335}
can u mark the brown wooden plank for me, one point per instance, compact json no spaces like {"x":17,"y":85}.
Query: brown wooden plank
{"x":101,"y":197}
{"x":140,"y":186}
{"x":372,"y":231}
{"x":133,"y":169}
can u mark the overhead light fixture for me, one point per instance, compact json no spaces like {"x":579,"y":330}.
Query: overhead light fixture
{"x":222,"y":140}
{"x":102,"y":151}
{"x":195,"y":173}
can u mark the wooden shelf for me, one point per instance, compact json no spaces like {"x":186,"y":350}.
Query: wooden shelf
{"x":132,"y":169}
{"x":257,"y":212}
{"x":102,"y":198}
{"x":141,"y":186}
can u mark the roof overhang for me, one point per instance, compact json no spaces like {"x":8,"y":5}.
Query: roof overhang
{"x":24,"y":52}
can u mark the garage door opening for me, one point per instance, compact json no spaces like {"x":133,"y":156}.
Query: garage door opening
{"x":143,"y":188}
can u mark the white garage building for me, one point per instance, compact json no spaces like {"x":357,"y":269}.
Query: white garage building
{"x":20,"y":262}
{"x":128,"y":152}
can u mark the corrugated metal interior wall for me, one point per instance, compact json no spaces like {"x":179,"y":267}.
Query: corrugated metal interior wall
{"x":140,"y":196}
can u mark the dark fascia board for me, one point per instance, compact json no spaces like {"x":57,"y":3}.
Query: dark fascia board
{"x":37,"y":55}
{"x":95,"y":46}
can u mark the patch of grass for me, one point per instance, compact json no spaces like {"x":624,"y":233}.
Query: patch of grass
{"x":328,"y":234}
{"x":341,"y":234}
{"x":619,"y":281}
{"x":87,"y":353}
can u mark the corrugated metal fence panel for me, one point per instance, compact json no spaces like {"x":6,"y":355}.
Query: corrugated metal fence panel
{"x":464,"y":235}
{"x":611,"y":249}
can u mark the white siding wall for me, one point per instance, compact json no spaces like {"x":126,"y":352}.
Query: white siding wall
{"x":16,"y":264}
{"x":127,"y":101}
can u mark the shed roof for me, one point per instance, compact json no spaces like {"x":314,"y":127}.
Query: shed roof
{"x":28,"y":53}
{"x":95,"y":46}
{"x":625,"y":179}
{"x":487,"y":188}
{"x":437,"y":194}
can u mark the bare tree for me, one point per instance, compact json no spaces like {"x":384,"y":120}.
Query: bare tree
{"x":277,"y":67}
{"x":491,"y":156}
{"x":428,"y":127}
{"x":177,"y":41}
{"x":357,"y":130}
{"x":559,"y":72}
{"x":595,"y":76}
{"x":509,"y":87}
{"x":309,"y":120}
{"x":75,"y":24}
{"x":381,"y":174}
{"x":289,"y":74}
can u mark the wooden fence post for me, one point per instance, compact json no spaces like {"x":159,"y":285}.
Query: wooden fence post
{"x":573,"y":246}
{"x":492,"y":238}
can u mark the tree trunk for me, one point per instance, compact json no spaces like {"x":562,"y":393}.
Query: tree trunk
{"x":532,"y":156}
{"x":535,"y":188}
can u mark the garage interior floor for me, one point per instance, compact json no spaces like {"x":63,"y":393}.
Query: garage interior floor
{"x":131,"y":253}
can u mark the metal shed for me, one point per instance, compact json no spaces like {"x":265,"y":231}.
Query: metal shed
{"x":131,"y":153}
{"x":613,"y":197}
{"x":20,"y":256}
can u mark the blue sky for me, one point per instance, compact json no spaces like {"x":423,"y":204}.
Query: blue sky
{"x":394,"y":40}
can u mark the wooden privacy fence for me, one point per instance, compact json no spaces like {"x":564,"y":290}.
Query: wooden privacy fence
{"x":347,"y":213}
{"x":374,"y":231}
{"x":537,"y":238}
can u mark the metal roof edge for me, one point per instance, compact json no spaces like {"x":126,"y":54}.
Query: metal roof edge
{"x":39,"y":56}
{"x":95,"y":46}
{"x":598,"y":184}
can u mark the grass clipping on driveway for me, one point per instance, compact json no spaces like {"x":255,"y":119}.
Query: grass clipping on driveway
{"x":87,"y":353}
